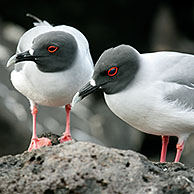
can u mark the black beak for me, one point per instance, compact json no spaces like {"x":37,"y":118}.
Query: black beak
{"x":84,"y":91}
{"x":87,"y":89}
{"x":25,"y":56}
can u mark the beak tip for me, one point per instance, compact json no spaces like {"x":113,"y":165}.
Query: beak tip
{"x":76,"y":99}
{"x":11,"y":61}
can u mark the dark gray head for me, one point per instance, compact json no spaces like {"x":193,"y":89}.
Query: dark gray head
{"x":52,"y":51}
{"x":114,"y":71}
{"x":116,"y":68}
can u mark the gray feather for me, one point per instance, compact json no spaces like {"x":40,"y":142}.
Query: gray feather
{"x":180,"y":72}
{"x":184,"y":96}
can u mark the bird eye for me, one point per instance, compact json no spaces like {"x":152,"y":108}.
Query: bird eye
{"x":52,"y":49}
{"x":112,"y":71}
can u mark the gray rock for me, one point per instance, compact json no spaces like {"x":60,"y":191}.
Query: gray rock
{"x":86,"y":168}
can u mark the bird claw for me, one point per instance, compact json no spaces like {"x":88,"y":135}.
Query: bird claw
{"x":65,"y":137}
{"x":37,"y":143}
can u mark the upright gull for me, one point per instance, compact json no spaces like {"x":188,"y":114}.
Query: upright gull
{"x":153,"y":92}
{"x":51,"y":64}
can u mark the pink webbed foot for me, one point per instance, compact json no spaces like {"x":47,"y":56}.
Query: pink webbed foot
{"x":37,"y":143}
{"x":65,"y":137}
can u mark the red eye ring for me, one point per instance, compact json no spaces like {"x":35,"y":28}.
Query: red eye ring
{"x":114,"y":71}
{"x":52,"y":49}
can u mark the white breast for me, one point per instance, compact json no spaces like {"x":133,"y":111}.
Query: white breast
{"x":51,"y":89}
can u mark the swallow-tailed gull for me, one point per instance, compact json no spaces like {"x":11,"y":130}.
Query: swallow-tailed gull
{"x":153,"y":92}
{"x":51,"y":64}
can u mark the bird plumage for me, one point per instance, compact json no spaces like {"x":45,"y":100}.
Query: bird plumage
{"x":60,"y":91}
{"x":153,"y":92}
{"x":50,"y":66}
{"x":162,"y":87}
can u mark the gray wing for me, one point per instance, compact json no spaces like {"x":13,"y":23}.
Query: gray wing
{"x":184,"y":96}
{"x":180,"y":71}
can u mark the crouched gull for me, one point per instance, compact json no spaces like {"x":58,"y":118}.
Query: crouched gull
{"x":153,"y":92}
{"x":51,"y":64}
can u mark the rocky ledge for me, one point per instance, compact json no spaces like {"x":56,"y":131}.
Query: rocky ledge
{"x":86,"y":168}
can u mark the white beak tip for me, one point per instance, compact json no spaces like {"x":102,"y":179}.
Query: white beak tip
{"x":11,"y":61}
{"x":76,"y":99}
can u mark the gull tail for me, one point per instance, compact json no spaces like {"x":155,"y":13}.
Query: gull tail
{"x":39,"y":21}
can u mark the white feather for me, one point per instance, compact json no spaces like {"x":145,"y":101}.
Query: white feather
{"x":142,"y":103}
{"x":52,"y":89}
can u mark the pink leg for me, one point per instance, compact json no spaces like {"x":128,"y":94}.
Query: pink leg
{"x":179,"y":148}
{"x":165,"y":140}
{"x":67,"y":135}
{"x":35,"y":141}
